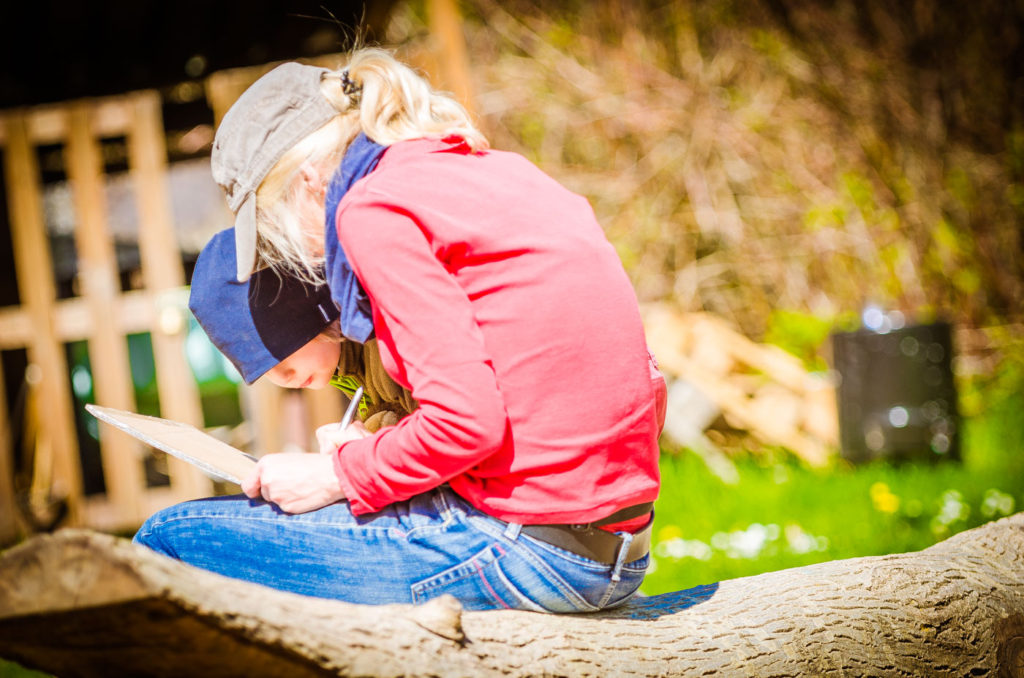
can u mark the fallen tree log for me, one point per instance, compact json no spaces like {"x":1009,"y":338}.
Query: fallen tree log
{"x":79,"y":603}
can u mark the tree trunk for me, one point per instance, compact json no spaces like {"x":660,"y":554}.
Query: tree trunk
{"x":80,"y":603}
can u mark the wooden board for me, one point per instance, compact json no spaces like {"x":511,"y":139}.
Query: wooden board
{"x":34,"y":270}
{"x":163,"y":274}
{"x":183,"y":441}
{"x":98,"y":281}
{"x":9,"y":529}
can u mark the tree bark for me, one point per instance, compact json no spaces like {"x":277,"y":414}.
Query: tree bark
{"x":80,"y":603}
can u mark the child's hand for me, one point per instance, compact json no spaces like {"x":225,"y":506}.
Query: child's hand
{"x":330,"y":438}
{"x":296,"y":481}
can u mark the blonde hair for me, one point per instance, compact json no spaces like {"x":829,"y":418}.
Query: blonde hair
{"x":394,"y":104}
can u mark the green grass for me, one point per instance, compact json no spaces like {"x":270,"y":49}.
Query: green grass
{"x":781,"y":514}
{"x":12,"y":670}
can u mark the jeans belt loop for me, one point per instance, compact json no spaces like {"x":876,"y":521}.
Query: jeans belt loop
{"x":620,"y":558}
{"x":512,"y":531}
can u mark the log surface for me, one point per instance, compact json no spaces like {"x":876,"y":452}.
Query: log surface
{"x":81,"y":603}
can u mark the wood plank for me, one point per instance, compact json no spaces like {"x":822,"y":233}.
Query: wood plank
{"x":735,"y":402}
{"x":43,"y":124}
{"x":10,"y":529}
{"x":38,"y":294}
{"x":667,"y":333}
{"x":771,"y":360}
{"x":135,"y":312}
{"x":325,"y":406}
{"x":102,"y":514}
{"x":261,"y":405}
{"x":162,"y":272}
{"x":821,"y":414}
{"x":99,"y":285}
{"x":48,"y":123}
{"x":111,"y":116}
{"x":224,"y":87}
{"x":15,"y":327}
{"x":450,"y":51}
{"x":297,"y":432}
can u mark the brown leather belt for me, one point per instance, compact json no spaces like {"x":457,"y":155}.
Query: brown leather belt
{"x":589,"y":541}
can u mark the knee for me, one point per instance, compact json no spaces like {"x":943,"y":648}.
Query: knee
{"x":149,"y":535}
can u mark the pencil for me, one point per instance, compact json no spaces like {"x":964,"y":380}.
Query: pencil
{"x":350,"y":412}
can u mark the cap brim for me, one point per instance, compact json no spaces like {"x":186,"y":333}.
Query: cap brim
{"x":245,"y":238}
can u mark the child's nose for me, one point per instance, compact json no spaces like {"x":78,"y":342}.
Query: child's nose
{"x":282,"y":376}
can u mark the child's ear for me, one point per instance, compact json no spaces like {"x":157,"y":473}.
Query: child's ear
{"x":311,"y":178}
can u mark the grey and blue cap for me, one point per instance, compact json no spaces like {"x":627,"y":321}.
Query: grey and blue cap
{"x":257,"y":323}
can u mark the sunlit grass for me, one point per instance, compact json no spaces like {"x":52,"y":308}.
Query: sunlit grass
{"x":782,"y":514}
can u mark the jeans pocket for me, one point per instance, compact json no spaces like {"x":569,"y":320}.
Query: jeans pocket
{"x":478,"y":583}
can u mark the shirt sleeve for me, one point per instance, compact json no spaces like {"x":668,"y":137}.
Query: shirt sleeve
{"x":426,"y":319}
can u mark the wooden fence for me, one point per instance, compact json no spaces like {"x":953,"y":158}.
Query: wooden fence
{"x":101,"y":315}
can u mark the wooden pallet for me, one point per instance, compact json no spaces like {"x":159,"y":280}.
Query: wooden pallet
{"x":758,"y":387}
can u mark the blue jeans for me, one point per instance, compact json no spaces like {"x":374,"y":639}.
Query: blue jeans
{"x":410,"y":552}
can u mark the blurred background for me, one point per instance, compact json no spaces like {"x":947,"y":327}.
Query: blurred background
{"x":820,"y":204}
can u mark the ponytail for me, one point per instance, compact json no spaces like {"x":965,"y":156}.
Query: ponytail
{"x":395,"y":103}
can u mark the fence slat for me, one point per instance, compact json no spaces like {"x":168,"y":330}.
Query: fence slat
{"x":449,"y":55}
{"x":34,"y":271}
{"x":8,"y":508}
{"x":162,"y":272}
{"x":98,"y":280}
{"x":324,"y":406}
{"x":262,"y":403}
{"x":135,"y":312}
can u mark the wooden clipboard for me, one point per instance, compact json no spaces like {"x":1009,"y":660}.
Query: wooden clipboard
{"x":183,"y":441}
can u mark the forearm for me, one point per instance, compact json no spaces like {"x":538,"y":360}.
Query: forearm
{"x":460,"y":423}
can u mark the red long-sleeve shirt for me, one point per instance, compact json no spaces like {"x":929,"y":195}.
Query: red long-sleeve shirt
{"x":498,"y":301}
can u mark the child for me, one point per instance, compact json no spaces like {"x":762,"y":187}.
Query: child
{"x":526,"y":477}
{"x":279,"y":326}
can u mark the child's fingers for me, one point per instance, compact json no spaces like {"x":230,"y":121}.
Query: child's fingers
{"x":331,"y":438}
{"x":251,"y":484}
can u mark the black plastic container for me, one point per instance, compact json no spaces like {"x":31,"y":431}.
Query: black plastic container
{"x":896,"y":397}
